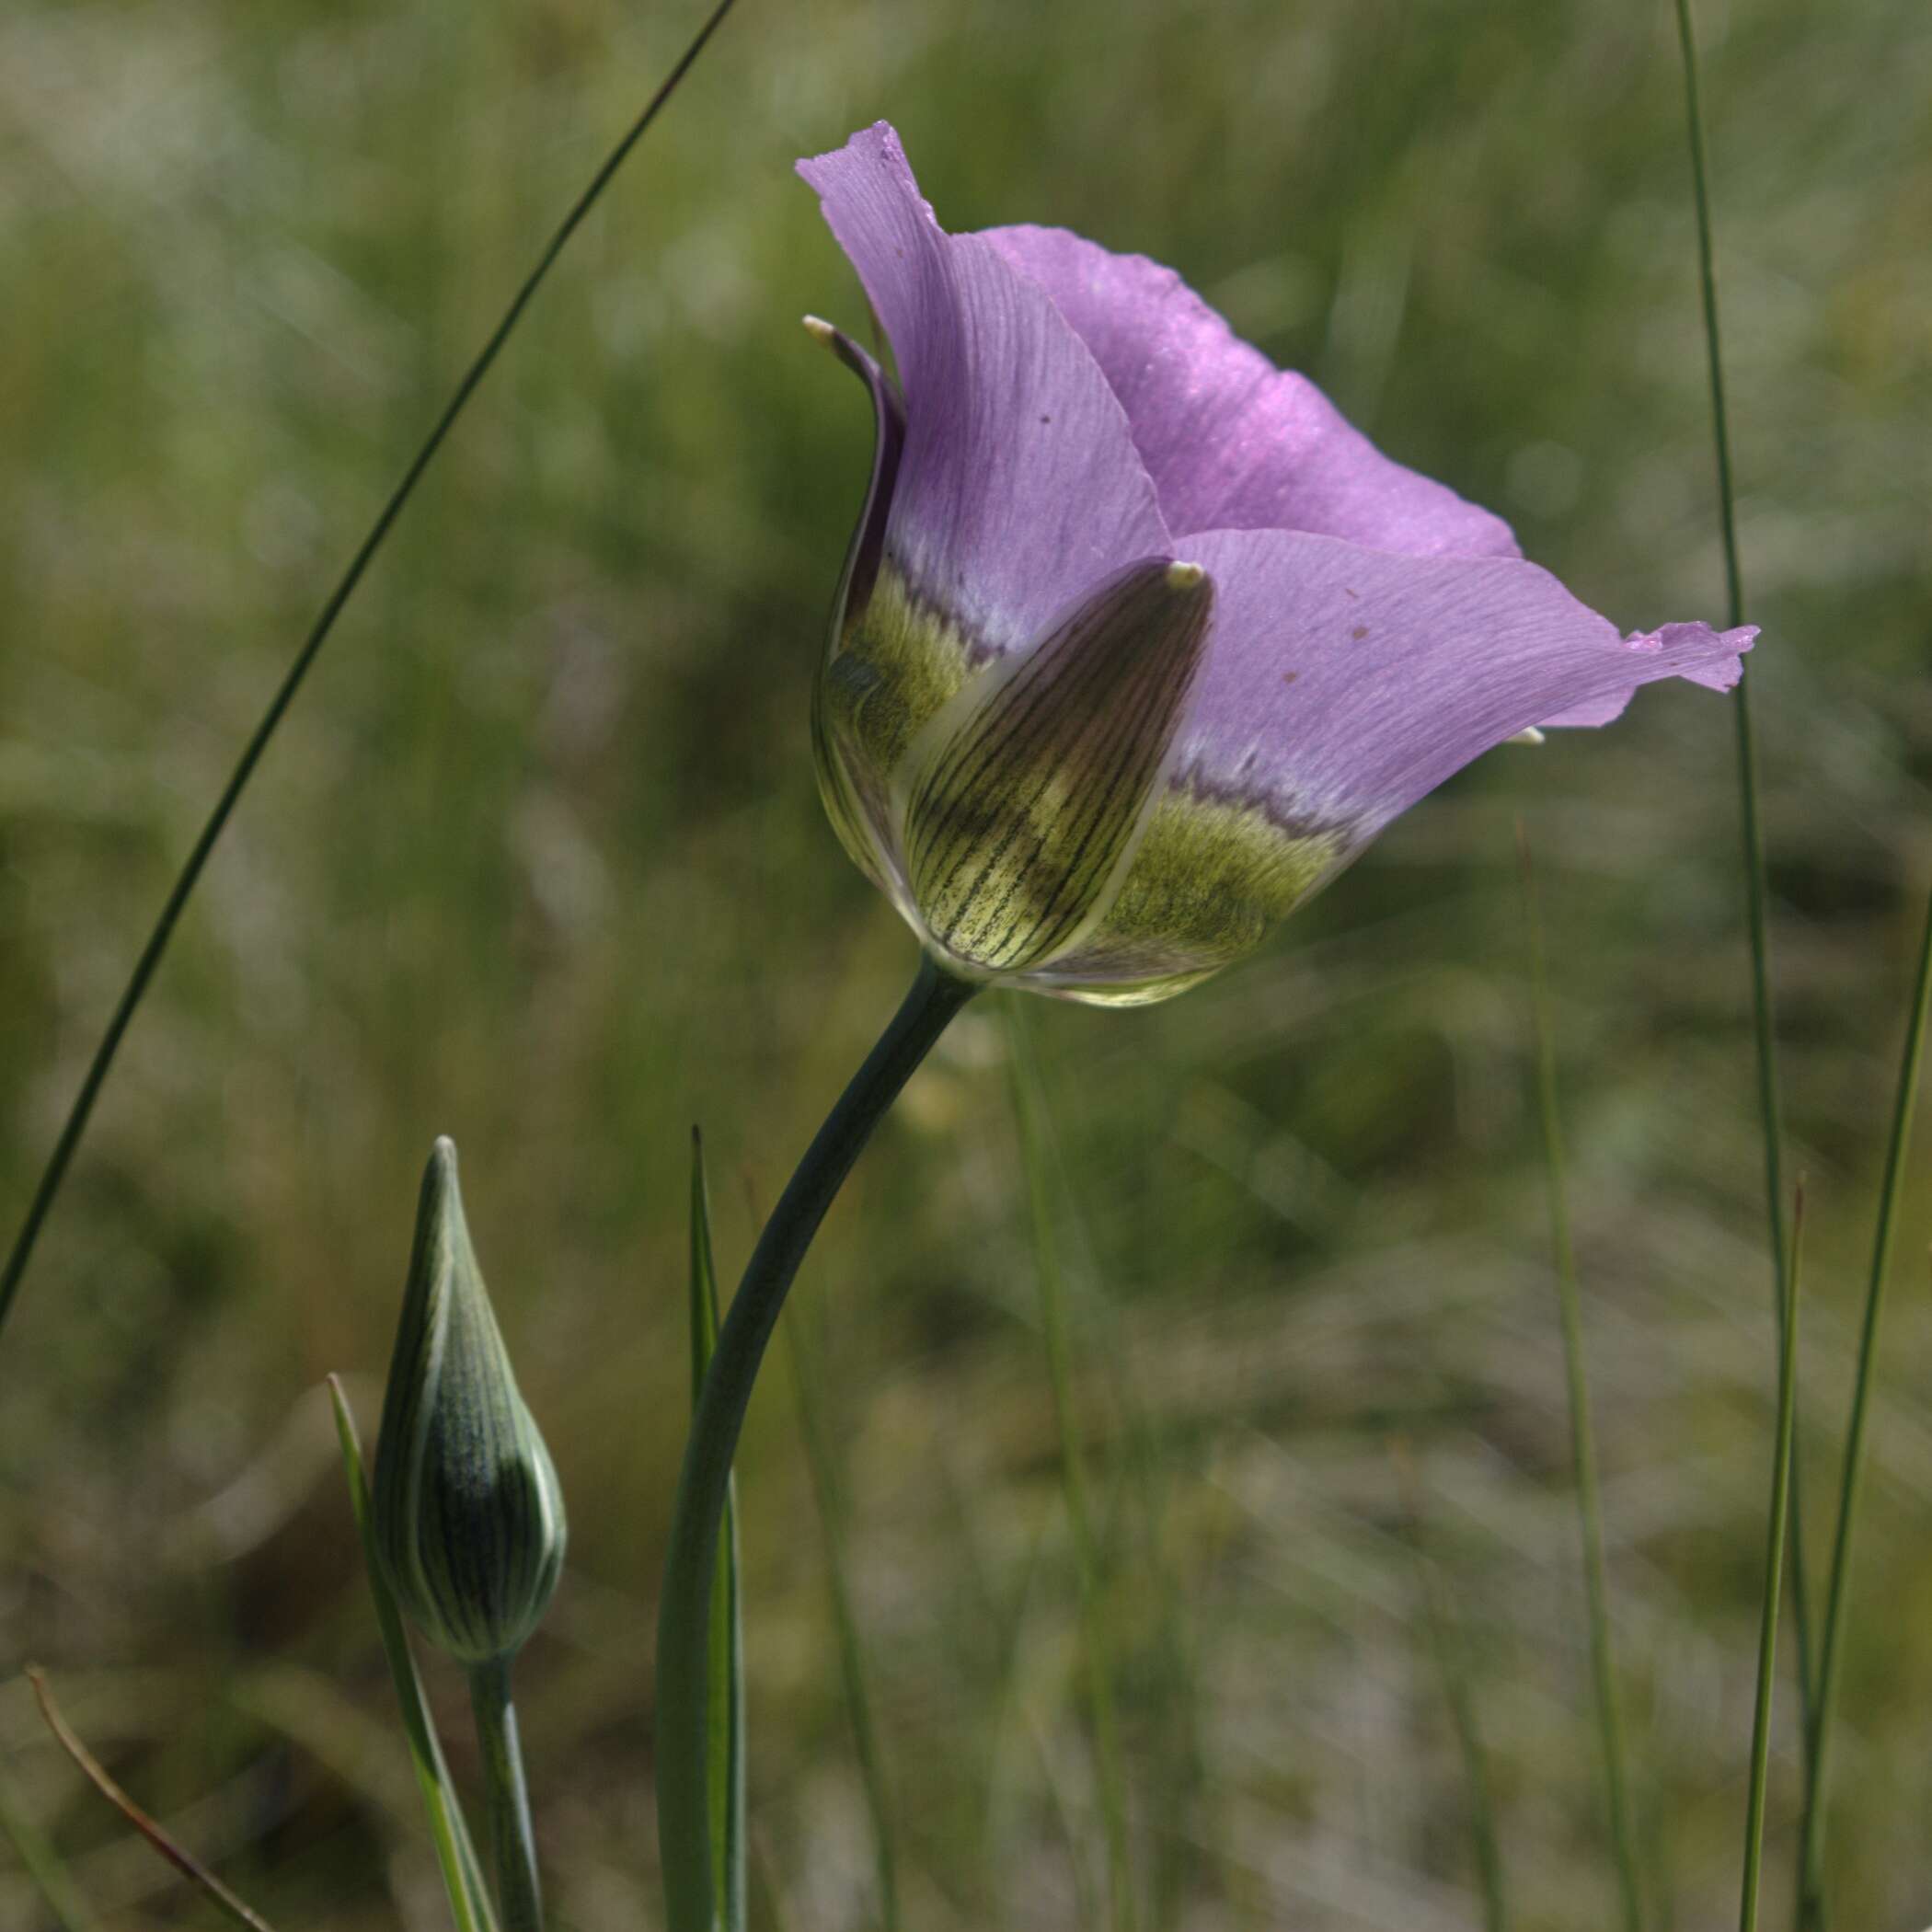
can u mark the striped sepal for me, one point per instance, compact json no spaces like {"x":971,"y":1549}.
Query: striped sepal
{"x":469,"y":1518}
{"x":1027,"y":792}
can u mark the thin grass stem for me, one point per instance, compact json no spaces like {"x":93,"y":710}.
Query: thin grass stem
{"x":1818,"y":1794}
{"x":1774,"y":1576}
{"x":1756,"y":914}
{"x":1590,"y":1521}
{"x":46,"y":1190}
{"x":179,"y":1856}
{"x":1054,"y":1327}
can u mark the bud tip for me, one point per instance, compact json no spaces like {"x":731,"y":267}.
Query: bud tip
{"x":1185,"y":576}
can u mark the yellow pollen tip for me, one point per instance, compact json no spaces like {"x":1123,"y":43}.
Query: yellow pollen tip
{"x":1528,"y":735}
{"x":1185,"y":576}
{"x":821,"y":331}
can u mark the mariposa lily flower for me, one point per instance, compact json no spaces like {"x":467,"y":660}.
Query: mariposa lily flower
{"x":1138,"y":642}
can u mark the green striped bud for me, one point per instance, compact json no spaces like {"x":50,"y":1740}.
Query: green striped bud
{"x":469,"y":1517}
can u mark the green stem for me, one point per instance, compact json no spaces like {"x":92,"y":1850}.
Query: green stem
{"x":1110,"y":1777}
{"x":75,"y":1125}
{"x":1583,"y":1439}
{"x":684,"y":1610}
{"x":1756,"y":915}
{"x":512,"y":1839}
{"x":1811,"y":1896}
{"x":1773,"y":1574}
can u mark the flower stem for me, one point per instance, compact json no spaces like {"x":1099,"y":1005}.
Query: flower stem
{"x":1811,"y":1869}
{"x":512,"y":1842}
{"x":684,"y":1606}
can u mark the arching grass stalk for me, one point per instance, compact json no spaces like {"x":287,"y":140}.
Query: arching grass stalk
{"x":1110,"y":1777}
{"x":162,"y":1842}
{"x":684,"y":1606}
{"x":46,"y":1190}
{"x":1770,"y":1113}
{"x":1774,"y":1576}
{"x":1818,"y":1793}
{"x":1590,"y":1517}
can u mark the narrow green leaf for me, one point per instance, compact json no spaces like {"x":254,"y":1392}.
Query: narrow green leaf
{"x":462,"y":1870}
{"x":724,"y":1687}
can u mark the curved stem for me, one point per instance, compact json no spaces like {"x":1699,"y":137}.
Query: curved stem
{"x":48,"y":1187}
{"x":685,"y":1607}
{"x":512,"y":1842}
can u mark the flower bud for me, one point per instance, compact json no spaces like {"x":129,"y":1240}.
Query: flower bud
{"x":469,"y":1517}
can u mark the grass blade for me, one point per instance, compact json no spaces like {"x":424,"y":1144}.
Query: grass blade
{"x":1450,"y":1643}
{"x":1770,"y":1113}
{"x":183,"y":1860}
{"x":46,"y":1190}
{"x":1590,"y":1519}
{"x":456,"y":1853}
{"x":1811,"y":1879}
{"x":827,"y":1490}
{"x":1774,"y":1576}
{"x":724,"y":1759}
{"x":1033,"y":1154}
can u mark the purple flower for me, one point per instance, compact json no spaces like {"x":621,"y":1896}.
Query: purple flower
{"x":1138,"y":642}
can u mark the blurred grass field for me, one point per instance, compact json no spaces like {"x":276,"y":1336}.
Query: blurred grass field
{"x":538,"y":862}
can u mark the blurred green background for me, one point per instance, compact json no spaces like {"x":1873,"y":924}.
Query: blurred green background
{"x":538,"y":862}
